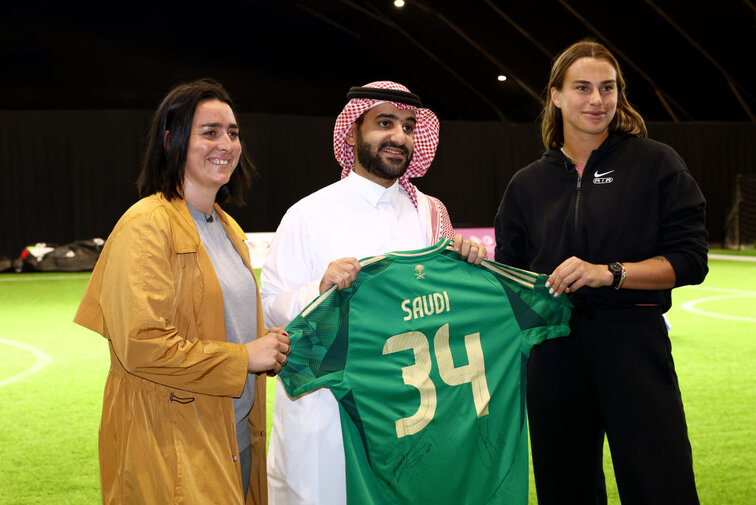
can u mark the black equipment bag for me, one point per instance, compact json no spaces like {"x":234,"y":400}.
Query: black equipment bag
{"x":78,"y":256}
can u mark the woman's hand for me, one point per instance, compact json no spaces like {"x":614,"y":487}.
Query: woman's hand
{"x":269,"y":353}
{"x":575,"y":273}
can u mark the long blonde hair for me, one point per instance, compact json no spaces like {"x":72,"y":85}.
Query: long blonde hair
{"x":626,"y":119}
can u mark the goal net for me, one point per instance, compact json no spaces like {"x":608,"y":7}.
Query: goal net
{"x":740,"y":228}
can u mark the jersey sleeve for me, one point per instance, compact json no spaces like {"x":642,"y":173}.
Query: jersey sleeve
{"x":539,"y":315}
{"x":319,"y":340}
{"x":554,"y":312}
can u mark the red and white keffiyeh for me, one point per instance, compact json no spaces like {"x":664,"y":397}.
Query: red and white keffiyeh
{"x":425,"y":136}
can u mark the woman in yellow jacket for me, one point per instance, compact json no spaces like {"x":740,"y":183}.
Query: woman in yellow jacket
{"x":183,"y":417}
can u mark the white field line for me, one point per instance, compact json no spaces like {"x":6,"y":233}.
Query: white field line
{"x":733,"y":257}
{"x":43,"y":359}
{"x":720,"y":290}
{"x":690,"y":306}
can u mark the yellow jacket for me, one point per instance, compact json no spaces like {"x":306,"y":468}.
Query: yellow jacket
{"x":167,"y":434}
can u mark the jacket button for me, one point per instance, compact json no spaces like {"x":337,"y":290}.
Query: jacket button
{"x":235,"y":458}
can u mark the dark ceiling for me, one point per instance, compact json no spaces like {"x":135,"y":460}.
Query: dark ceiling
{"x":683,"y":60}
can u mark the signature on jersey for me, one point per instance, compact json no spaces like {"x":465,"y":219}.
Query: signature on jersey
{"x":489,"y":445}
{"x":407,"y":454}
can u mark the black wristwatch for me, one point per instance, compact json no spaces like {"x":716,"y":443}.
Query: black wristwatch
{"x":618,"y":271}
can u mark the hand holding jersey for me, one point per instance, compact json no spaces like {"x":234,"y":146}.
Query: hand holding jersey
{"x":469,"y":251}
{"x":341,"y":273}
{"x":268,"y":353}
{"x":344,"y":271}
{"x":574,"y":273}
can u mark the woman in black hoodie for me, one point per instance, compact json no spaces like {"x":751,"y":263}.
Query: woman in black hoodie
{"x":618,"y":221}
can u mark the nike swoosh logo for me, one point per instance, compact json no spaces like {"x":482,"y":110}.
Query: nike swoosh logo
{"x":596,"y":174}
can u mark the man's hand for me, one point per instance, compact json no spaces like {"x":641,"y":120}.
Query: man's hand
{"x":472,"y":252}
{"x":341,"y":272}
{"x":268,"y":353}
{"x":575,"y":273}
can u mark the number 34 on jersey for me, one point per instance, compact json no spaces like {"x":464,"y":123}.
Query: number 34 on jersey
{"x":417,"y":375}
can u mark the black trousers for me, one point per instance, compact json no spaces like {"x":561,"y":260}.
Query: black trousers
{"x":613,"y":375}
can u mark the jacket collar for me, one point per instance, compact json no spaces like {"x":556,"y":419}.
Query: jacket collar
{"x":557,"y":157}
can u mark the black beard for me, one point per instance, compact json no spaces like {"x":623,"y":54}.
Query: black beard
{"x":373,"y":163}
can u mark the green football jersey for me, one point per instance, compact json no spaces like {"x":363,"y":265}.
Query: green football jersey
{"x":426,"y":355}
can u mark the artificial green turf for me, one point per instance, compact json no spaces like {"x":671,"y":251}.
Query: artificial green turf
{"x":48,"y":434}
{"x":734,"y":252}
{"x":716,"y":367}
{"x":15,"y":361}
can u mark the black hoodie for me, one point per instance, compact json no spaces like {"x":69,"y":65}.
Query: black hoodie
{"x":635,"y":200}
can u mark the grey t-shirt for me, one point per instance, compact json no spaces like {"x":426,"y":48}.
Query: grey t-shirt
{"x":239,"y":301}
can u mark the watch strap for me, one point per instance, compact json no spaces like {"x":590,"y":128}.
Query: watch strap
{"x":618,"y":273}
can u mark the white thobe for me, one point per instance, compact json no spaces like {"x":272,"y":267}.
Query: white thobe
{"x":350,"y":218}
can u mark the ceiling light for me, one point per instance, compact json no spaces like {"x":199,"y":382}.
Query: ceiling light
{"x":502,"y":77}
{"x":398,"y":3}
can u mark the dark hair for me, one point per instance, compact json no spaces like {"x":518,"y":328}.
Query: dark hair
{"x":163,"y":165}
{"x":626,"y":119}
